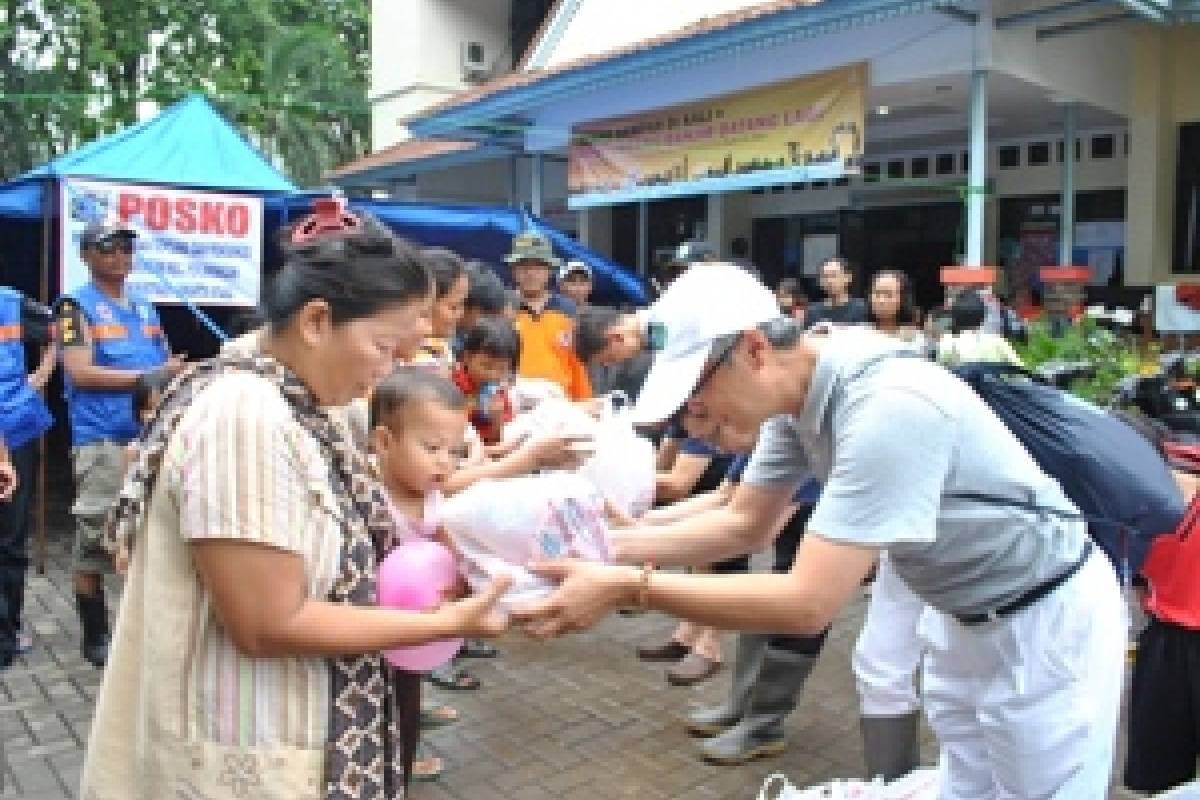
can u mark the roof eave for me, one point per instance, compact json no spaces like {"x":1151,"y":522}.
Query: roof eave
{"x":797,"y":23}
{"x":373,"y":176}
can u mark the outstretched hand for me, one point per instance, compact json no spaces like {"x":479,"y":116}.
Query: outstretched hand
{"x":586,"y":593}
{"x":480,"y":615}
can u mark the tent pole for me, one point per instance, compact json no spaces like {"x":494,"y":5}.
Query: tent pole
{"x":48,"y":197}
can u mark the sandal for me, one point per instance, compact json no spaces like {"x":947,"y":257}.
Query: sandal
{"x":668,"y":651}
{"x":692,"y":670}
{"x":426,"y":770}
{"x":477,"y":648}
{"x":436,"y":715}
{"x":453,"y":678}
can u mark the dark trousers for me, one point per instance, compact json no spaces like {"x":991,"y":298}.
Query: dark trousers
{"x":14,"y":544}
{"x":1164,"y":708}
{"x":786,"y":544}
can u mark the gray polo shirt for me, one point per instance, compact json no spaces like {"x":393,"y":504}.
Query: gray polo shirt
{"x":890,"y":443}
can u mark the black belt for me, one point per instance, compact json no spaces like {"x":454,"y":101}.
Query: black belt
{"x":1030,"y":597}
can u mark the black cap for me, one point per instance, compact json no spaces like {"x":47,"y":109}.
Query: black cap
{"x":98,"y":232}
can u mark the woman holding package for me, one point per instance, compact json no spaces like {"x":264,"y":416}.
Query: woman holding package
{"x":246,"y":659}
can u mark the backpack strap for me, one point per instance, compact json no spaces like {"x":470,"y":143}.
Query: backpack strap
{"x":972,"y":371}
{"x":1036,"y":508}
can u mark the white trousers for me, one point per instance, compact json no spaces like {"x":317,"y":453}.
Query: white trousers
{"x":888,"y":652}
{"x":1027,"y":706}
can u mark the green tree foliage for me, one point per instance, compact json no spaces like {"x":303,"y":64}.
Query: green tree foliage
{"x":291,"y":73}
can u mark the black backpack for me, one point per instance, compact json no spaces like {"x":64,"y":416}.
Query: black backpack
{"x":1117,"y":479}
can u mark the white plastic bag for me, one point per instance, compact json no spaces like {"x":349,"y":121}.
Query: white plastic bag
{"x":551,"y":417}
{"x":527,"y":393}
{"x":921,"y":784}
{"x":623,"y":466}
{"x":500,"y":526}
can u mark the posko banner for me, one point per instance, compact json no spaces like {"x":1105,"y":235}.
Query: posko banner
{"x":769,"y":134}
{"x":195,"y":246}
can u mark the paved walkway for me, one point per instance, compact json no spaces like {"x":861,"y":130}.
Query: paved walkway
{"x":578,"y":718}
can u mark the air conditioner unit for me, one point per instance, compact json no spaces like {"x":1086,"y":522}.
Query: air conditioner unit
{"x":474,"y":63}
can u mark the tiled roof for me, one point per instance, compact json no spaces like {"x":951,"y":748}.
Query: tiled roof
{"x":409,"y":150}
{"x":708,"y":25}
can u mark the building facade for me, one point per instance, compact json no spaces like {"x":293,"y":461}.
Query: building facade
{"x":1004,"y":83}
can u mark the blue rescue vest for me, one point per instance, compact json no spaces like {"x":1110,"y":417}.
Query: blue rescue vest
{"x":23,"y":413}
{"x":123,"y":337}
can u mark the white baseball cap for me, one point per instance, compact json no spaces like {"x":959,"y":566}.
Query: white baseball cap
{"x":572,"y":267}
{"x":701,"y":306}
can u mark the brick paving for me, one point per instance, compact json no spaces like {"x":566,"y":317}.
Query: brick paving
{"x":575,"y":719}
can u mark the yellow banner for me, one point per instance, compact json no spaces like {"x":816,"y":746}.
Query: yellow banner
{"x":815,"y":120}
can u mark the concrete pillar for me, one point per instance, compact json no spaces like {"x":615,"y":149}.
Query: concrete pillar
{"x":1153,"y":152}
{"x":977,"y":177}
{"x":1066,"y":216}
{"x":514,"y":182}
{"x":583,"y":226}
{"x":715,"y":224}
{"x":643,"y":238}
{"x":536,"y":186}
{"x":595,"y":229}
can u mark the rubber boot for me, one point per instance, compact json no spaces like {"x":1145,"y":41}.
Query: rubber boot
{"x":93,"y":619}
{"x":760,"y":731}
{"x":890,"y":745}
{"x":746,"y":662}
{"x":11,"y":593}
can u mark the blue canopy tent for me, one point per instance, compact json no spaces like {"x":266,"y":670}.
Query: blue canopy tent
{"x":190,"y":144}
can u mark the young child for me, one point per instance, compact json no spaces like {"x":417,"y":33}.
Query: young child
{"x":486,"y":295}
{"x":417,"y":422}
{"x":484,"y":371}
{"x":418,"y":419}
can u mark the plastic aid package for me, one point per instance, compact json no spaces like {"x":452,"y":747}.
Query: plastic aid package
{"x":920,"y":784}
{"x":499,"y":527}
{"x":619,"y":463}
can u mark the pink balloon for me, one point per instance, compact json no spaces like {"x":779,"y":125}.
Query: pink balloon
{"x":415,"y":577}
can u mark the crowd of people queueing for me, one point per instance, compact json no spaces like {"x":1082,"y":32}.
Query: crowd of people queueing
{"x":248,"y":500}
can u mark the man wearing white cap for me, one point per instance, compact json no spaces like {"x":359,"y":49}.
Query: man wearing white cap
{"x":1025,"y":629}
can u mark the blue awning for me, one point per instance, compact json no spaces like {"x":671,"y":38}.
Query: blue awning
{"x":485,"y":233}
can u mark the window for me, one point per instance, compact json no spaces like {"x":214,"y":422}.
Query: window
{"x":1126,"y":150}
{"x":1060,"y":151}
{"x":819,"y":184}
{"x":778,"y":188}
{"x":1104,"y":146}
{"x":965,"y":160}
{"x":896,"y":169}
{"x":871,"y":172}
{"x":1009,"y":157}
{"x":799,"y":187}
{"x":842,"y":181}
{"x":919,"y":167}
{"x":944,"y":165}
{"x":1187,"y":201}
{"x":1038,"y":154}
{"x":758,"y":190}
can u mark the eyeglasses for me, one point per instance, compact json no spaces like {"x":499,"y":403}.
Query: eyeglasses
{"x":721,"y":351}
{"x":107,"y":246}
